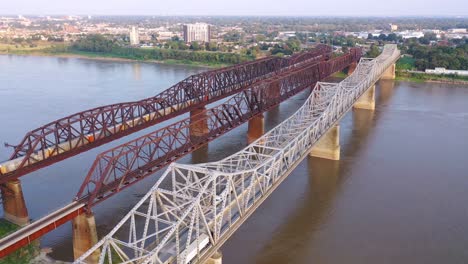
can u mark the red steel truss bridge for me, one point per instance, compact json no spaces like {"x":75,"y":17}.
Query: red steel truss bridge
{"x":126,"y":164}
{"x":85,"y":130}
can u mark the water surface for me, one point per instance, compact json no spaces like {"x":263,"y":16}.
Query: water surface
{"x":398,"y":194}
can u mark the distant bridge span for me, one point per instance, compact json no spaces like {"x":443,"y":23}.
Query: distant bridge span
{"x":193,"y":209}
{"x":85,"y":130}
{"x":126,"y":164}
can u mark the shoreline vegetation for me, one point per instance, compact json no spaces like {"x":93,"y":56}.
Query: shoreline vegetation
{"x":147,"y":55}
{"x":431,"y":78}
{"x":406,"y":65}
{"x":23,"y":255}
{"x":205,"y":59}
{"x":104,"y":57}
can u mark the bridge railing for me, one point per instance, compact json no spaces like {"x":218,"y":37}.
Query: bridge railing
{"x":193,"y":209}
{"x":73,"y":134}
{"x":124,"y":165}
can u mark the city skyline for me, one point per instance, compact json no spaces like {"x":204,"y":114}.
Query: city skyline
{"x":357,"y":8}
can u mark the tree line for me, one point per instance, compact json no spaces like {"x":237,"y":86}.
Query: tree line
{"x":101,"y":44}
{"x":429,"y":57}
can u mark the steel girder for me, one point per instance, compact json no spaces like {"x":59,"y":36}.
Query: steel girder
{"x":82,"y":131}
{"x":193,"y":209}
{"x":118,"y":168}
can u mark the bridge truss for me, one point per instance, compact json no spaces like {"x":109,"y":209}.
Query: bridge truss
{"x":118,"y":168}
{"x":193,"y":209}
{"x":128,"y":163}
{"x":82,"y":131}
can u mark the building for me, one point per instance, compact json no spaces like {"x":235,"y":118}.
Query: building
{"x":197,"y":32}
{"x":392,"y":27}
{"x":457,"y":30}
{"x":411,"y":34}
{"x":285,"y":35}
{"x":446,"y":71}
{"x":134,"y":37}
{"x":70,"y":29}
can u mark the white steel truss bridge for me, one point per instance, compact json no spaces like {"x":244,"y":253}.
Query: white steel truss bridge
{"x":193,"y":209}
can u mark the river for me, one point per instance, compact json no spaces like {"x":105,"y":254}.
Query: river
{"x":398,"y":194}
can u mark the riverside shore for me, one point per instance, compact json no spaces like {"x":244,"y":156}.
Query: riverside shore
{"x":92,"y":56}
{"x":111,"y":58}
{"x":431,"y":79}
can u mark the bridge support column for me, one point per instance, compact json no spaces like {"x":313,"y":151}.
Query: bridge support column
{"x":256,"y":128}
{"x":389,"y":74}
{"x":367,"y":100}
{"x":198,"y":122}
{"x":352,"y":68}
{"x":85,"y":236}
{"x":216,"y":258}
{"x":328,"y":147}
{"x":14,"y":207}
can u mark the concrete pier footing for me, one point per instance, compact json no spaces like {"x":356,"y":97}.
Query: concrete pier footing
{"x":256,"y":128}
{"x":14,"y":206}
{"x":198,"y":122}
{"x":328,"y":147}
{"x":389,"y":74}
{"x":85,"y":236}
{"x":367,"y":100}
{"x":216,"y":258}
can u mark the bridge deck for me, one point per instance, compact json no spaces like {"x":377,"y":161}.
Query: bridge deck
{"x":35,"y":230}
{"x":109,"y":165}
{"x":190,"y":202}
{"x":82,"y":131}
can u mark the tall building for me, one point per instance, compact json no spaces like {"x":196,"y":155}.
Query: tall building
{"x":134,"y":38}
{"x":197,"y":32}
{"x":392,"y":27}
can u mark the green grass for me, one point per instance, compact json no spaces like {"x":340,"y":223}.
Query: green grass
{"x":23,"y":48}
{"x":421,"y":77}
{"x":405,"y":63}
{"x":21,"y":256}
{"x":97,"y":55}
{"x":7,"y":227}
{"x":340,"y":74}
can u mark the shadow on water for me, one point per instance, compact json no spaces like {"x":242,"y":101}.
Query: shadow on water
{"x":289,"y":243}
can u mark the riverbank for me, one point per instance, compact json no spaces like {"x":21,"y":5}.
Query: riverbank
{"x":430,"y":78}
{"x":417,"y":79}
{"x":108,"y":57}
{"x":22,"y":255}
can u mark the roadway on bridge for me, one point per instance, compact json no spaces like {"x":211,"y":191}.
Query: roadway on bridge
{"x":190,"y":202}
{"x":287,"y":89}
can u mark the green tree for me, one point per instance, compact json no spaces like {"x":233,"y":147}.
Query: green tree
{"x":373,"y":51}
{"x":293,"y":44}
{"x":211,"y":46}
{"x":195,"y":46}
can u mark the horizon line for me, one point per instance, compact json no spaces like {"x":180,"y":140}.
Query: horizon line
{"x":270,"y":16}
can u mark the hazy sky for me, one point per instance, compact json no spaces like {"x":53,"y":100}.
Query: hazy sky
{"x":239,"y":7}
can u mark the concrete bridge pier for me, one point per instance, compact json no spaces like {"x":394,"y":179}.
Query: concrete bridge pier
{"x":198,"y":122}
{"x":216,"y":258}
{"x":328,"y":147}
{"x":367,"y":100}
{"x":85,"y":236}
{"x":14,"y":206}
{"x":256,"y":128}
{"x":389,"y":74}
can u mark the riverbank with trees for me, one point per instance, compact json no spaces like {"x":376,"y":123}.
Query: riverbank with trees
{"x":416,"y":58}
{"x":98,"y":47}
{"x":21,"y":256}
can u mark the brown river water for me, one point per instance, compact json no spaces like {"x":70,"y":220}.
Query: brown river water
{"x":399,"y":194}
